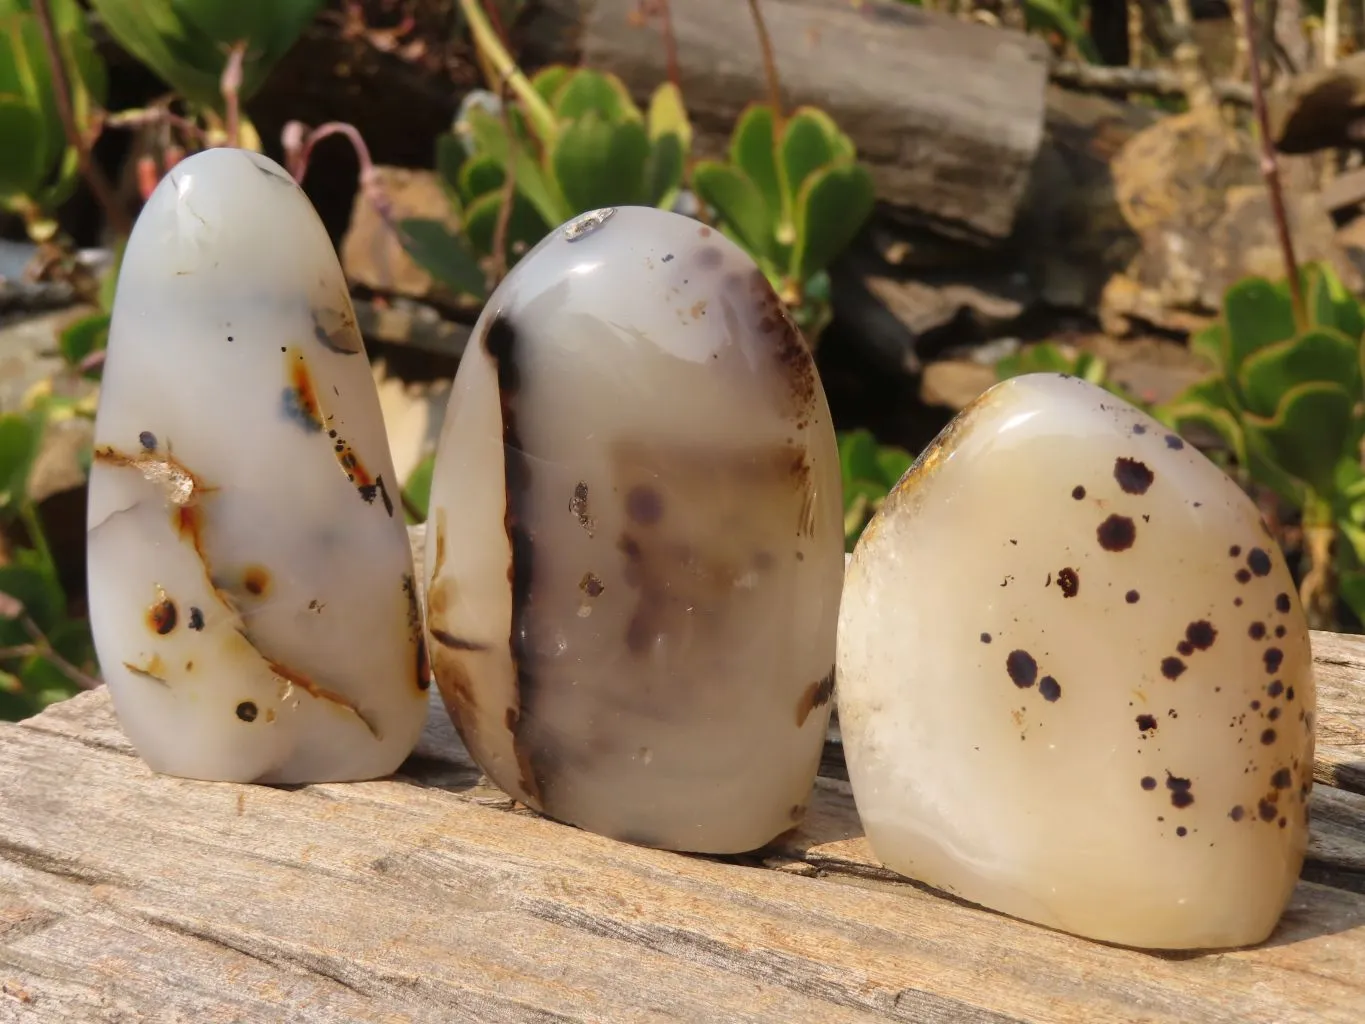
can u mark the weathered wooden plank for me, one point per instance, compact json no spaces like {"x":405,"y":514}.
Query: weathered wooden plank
{"x":430,"y":896}
{"x":948,"y":114}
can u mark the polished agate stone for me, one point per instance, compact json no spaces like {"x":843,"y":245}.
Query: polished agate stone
{"x":1074,"y":678}
{"x":635,"y":546}
{"x":251,"y":586}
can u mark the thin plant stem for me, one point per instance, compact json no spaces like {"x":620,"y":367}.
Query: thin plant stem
{"x":765,"y":45}
{"x":1270,"y":169}
{"x":488,"y":44}
{"x":117,"y":218}
{"x":509,"y":194}
{"x":670,"y":43}
{"x":230,"y":85}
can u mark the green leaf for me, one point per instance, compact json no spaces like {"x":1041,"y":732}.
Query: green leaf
{"x":186,"y":42}
{"x":1307,"y":434}
{"x":479,"y":176}
{"x":668,"y":116}
{"x":599,"y":164}
{"x":417,"y":490}
{"x":894,"y":463}
{"x":1256,"y":314}
{"x":737,"y":200}
{"x":524,"y":225}
{"x":548,"y":81}
{"x":1208,"y":402}
{"x":806,"y":146}
{"x":532,"y":182}
{"x":42,"y":599}
{"x":830,"y":210}
{"x":1208,"y":344}
{"x":664,"y":170}
{"x":18,"y":448}
{"x":1323,"y":354}
{"x":450,"y":157}
{"x":443,"y":255}
{"x":88,"y":334}
{"x":595,"y":92}
{"x":1351,"y":589}
{"x":753,"y":149}
{"x":858,"y":456}
{"x":21,"y":154}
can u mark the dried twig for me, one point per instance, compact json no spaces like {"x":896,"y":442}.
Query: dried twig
{"x":1270,"y":169}
{"x":670,"y":43}
{"x":40,"y":646}
{"x":765,"y":45}
{"x":1189,"y":62}
{"x":117,"y":218}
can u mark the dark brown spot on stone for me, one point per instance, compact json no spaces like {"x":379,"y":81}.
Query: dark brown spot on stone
{"x":1181,"y":796}
{"x":1022,"y":668}
{"x":1235,"y":550}
{"x":1282,"y":603}
{"x":644,"y":505}
{"x":1256,"y":631}
{"x":578,"y":506}
{"x":1148,"y":782}
{"x":196,"y":622}
{"x":1181,"y":831}
{"x":256,"y":580}
{"x":1050,"y":688}
{"x":1268,"y":737}
{"x":455,"y":643}
{"x":162,"y":616}
{"x":1282,"y":779}
{"x":1117,"y":533}
{"x":1237,"y":813}
{"x":1132,"y":597}
{"x":1174,"y":443}
{"x":1275,"y":689}
{"x":591,"y":584}
{"x":1184,"y":648}
{"x":985,"y":638}
{"x":148,"y":441}
{"x":1070,"y":582}
{"x":1133,"y":476}
{"x":1201,"y":634}
{"x":1078,"y":492}
{"x":1279,"y":632}
{"x":1146,"y":723}
{"x":1273,"y":657}
{"x":1258,"y":562}
{"x":1172,"y":668}
{"x":1266,"y":810}
{"x":246,"y":711}
{"x":1242,"y":575}
{"x":815,"y":696}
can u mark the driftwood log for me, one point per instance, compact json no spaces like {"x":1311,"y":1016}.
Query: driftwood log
{"x":948,"y":114}
{"x":430,"y":897}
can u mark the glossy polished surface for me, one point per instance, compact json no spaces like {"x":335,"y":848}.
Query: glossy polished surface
{"x":250,"y":580}
{"x":1074,"y":677}
{"x":636,"y":548}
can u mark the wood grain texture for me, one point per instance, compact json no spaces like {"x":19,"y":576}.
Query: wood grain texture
{"x":430,"y":896}
{"x":947,"y":114}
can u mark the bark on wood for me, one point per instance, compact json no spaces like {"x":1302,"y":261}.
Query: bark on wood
{"x":430,"y":896}
{"x":948,"y":114}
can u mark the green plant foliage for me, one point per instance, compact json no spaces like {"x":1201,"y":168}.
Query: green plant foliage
{"x":868,"y":472}
{"x":186,"y":42}
{"x":1286,"y":400}
{"x":794,"y":196}
{"x":38,"y":170}
{"x":1049,"y":357}
{"x":599,"y":149}
{"x":417,"y":490}
{"x":39,"y":641}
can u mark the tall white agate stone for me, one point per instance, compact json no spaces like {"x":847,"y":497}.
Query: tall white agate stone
{"x":636,"y":549}
{"x":1074,"y":678}
{"x":251,"y":586}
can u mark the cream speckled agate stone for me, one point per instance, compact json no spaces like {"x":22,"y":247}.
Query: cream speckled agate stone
{"x":636,"y":549}
{"x":1074,"y":677}
{"x":250,"y":581}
